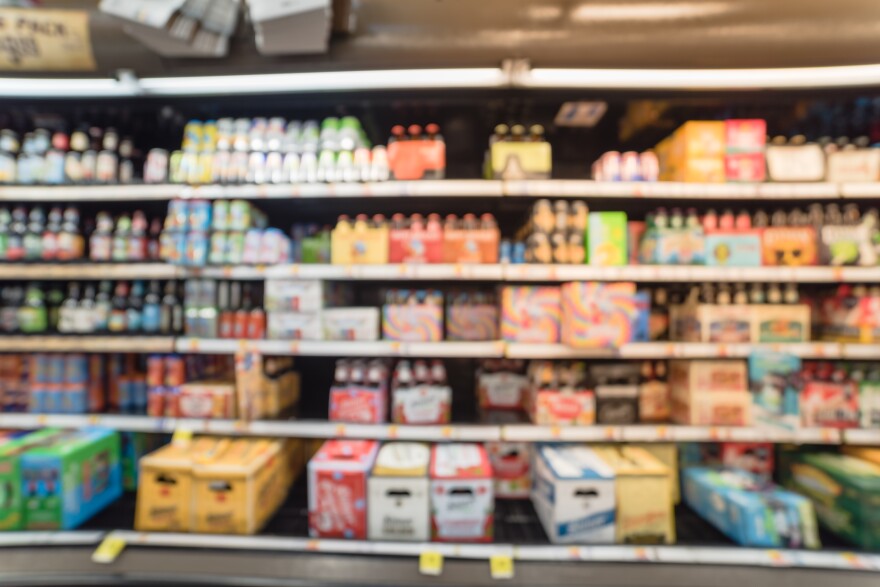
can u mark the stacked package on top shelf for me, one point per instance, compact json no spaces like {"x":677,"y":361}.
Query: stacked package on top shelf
{"x":513,"y":154}
{"x":276,"y":151}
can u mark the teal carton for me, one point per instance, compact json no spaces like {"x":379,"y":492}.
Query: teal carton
{"x":68,"y":480}
{"x":733,"y":249}
{"x":749,"y":510}
{"x":775,"y":383}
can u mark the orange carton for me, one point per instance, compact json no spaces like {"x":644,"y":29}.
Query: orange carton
{"x":694,"y":153}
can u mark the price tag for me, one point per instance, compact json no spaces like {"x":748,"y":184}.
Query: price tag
{"x":555,"y":432}
{"x":501,"y":566}
{"x":41,"y":420}
{"x":109,"y":550}
{"x":181,"y":436}
{"x":662,"y":433}
{"x":610,"y":433}
{"x":340,"y":430}
{"x":446,"y":431}
{"x":393,"y":431}
{"x":294,"y":270}
{"x":829,"y":435}
{"x":431,"y":563}
{"x":93,"y":419}
{"x":294,"y":348}
{"x":241,"y":426}
{"x":193,"y":345}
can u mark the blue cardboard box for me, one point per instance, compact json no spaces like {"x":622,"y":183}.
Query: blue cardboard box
{"x":740,"y":249}
{"x":751,"y":512}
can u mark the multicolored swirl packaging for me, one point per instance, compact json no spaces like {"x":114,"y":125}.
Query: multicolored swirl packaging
{"x":598,"y":315}
{"x":413,"y":316}
{"x":530,"y":313}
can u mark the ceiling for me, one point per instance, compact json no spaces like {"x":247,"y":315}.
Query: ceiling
{"x":550,"y":33}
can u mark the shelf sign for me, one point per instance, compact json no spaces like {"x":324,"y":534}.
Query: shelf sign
{"x":501,"y":566}
{"x":431,"y":563}
{"x":109,"y":550}
{"x":45,"y":40}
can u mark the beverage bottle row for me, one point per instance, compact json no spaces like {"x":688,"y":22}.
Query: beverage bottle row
{"x":90,"y":154}
{"x":124,"y":308}
{"x":223,"y":309}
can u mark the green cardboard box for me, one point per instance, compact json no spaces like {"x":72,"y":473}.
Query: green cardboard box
{"x":71,"y":478}
{"x":845,"y":492}
{"x":607,"y":239}
{"x":11,"y":514}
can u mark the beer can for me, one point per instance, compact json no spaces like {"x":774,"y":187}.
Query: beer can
{"x":199,"y":215}
{"x":156,"y":167}
{"x":155,"y":371}
{"x":220,"y":215}
{"x":650,"y":166}
{"x":74,"y":398}
{"x":630,"y":169}
{"x":192,"y":136}
{"x":57,"y":368}
{"x":210,"y":134}
{"x":274,"y":167}
{"x":217,"y":253}
{"x":175,"y":371}
{"x":220,"y":167}
{"x":176,"y":171}
{"x":196,"y":254}
{"x":610,"y":162}
{"x":76,"y":368}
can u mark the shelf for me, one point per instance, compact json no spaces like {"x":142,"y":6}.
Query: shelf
{"x":451,"y":432}
{"x":444,"y":272}
{"x":391,"y":189}
{"x":81,"y":193}
{"x":86,"y":344}
{"x":472,"y":188}
{"x":692,"y":350}
{"x":404,"y":271}
{"x":329,"y":348}
{"x":691,"y":273}
{"x":84,"y":270}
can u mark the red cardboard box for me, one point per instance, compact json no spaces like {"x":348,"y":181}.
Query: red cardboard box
{"x":338,"y":488}
{"x":462,"y":497}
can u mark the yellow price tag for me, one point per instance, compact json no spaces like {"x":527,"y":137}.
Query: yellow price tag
{"x":501,"y":566}
{"x":41,"y":420}
{"x":109,"y":550}
{"x":181,"y":436}
{"x":93,"y":419}
{"x":431,"y":563}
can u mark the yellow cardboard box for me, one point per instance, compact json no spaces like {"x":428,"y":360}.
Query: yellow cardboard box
{"x":872,"y":455}
{"x":238,"y":492}
{"x":668,"y":455}
{"x":165,"y":495}
{"x":693,"y":153}
{"x":644,"y":496}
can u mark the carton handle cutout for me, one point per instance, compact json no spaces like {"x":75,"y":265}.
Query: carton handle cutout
{"x":462,"y":491}
{"x":398,"y":493}
{"x":586,"y":493}
{"x":165,"y":479}
{"x":219,"y":486}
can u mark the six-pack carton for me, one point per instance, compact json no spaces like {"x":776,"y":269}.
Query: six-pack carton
{"x":337,"y":478}
{"x":462,"y":498}
{"x":574,"y":494}
{"x":644,"y":496}
{"x":399,"y":493}
{"x":71,"y":478}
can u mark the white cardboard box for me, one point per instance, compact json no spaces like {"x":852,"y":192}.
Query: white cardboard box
{"x":462,"y":499}
{"x":574,"y":494}
{"x":399,"y":493}
{"x":294,"y":326}
{"x":288,"y":27}
{"x":422,"y":404}
{"x":294,"y":295}
{"x":351,"y":323}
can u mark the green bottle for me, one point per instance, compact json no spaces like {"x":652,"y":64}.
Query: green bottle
{"x":32,"y":316}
